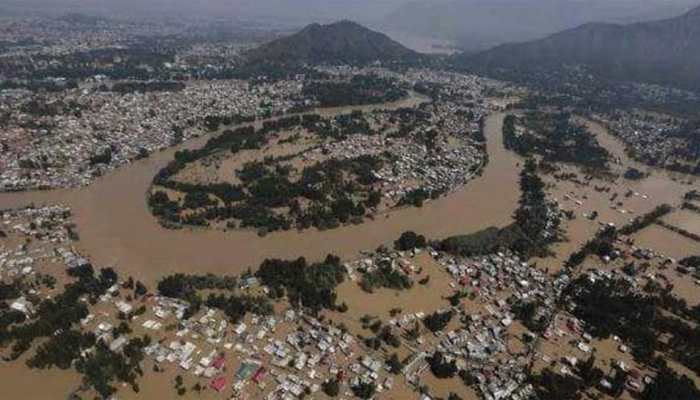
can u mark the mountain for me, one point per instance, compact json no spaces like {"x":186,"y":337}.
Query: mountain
{"x":341,"y":42}
{"x":665,"y":51}
{"x":476,"y":25}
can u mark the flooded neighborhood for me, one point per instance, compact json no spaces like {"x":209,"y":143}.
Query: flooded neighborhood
{"x":197,"y":207}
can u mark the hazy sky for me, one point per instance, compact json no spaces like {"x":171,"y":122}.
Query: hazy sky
{"x":294,"y":11}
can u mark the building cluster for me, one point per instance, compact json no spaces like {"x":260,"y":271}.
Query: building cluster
{"x":278,"y":357}
{"x":438,"y":156}
{"x":89,"y":131}
{"x":650,"y":137}
{"x":32,"y":237}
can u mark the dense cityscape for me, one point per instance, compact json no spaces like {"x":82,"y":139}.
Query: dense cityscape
{"x":192,"y":209}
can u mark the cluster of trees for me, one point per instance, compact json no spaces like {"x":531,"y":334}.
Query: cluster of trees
{"x":311,"y":286}
{"x":528,"y":312}
{"x":340,"y":127}
{"x":188,"y":288}
{"x":417,"y":197}
{"x":56,"y":324}
{"x":239,"y":139}
{"x":410,"y":240}
{"x":384,"y":335}
{"x":556,"y":138}
{"x":669,"y":385}
{"x":331,"y":387}
{"x":103,"y":368}
{"x":683,"y":232}
{"x":103,"y":156}
{"x":213,"y":122}
{"x":645,"y":220}
{"x":533,"y":230}
{"x":236,"y":307}
{"x":692,"y":195}
{"x":614,"y":307}
{"x":438,"y":321}
{"x":601,"y":245}
{"x":440,"y":367}
{"x":39,"y":85}
{"x":535,"y":221}
{"x":360,"y":89}
{"x":364,"y":390}
{"x":691,"y":262}
{"x":266,"y":187}
{"x":59,"y":313}
{"x":384,"y":276}
{"x":634,"y":174}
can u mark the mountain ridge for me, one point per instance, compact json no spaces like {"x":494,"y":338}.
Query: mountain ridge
{"x":664,"y":51}
{"x":344,"y":42}
{"x":476,"y":25}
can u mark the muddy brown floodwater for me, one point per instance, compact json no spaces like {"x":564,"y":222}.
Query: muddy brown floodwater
{"x":117,"y":229}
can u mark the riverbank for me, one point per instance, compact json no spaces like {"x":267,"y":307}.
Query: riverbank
{"x":117,"y":229}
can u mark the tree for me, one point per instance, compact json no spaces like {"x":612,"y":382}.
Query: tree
{"x":588,"y":372}
{"x":409,"y":240}
{"x":331,"y":387}
{"x":437,"y":321}
{"x":140,"y":289}
{"x":394,"y":364}
{"x":669,"y":385}
{"x":364,"y":390}
{"x":440,"y":367}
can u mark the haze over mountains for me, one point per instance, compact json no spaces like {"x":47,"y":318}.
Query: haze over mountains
{"x":480,"y":24}
{"x":665,"y":51}
{"x":474,"y":24}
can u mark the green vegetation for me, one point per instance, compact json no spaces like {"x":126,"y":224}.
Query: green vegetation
{"x":440,"y":367}
{"x":528,"y":314}
{"x":395,"y":365}
{"x":634,"y":174}
{"x":331,"y":387}
{"x":360,"y":89}
{"x":613,"y":307}
{"x":102,"y":368}
{"x":645,"y":220}
{"x":309,"y":286}
{"x":555,"y":138}
{"x":534,"y":229}
{"x":601,"y":245}
{"x":385,"y":276}
{"x":364,"y":390}
{"x":438,"y":321}
{"x":669,"y":385}
{"x":62,"y":345}
{"x":409,"y":240}
{"x":235,"y":306}
{"x":272,"y":195}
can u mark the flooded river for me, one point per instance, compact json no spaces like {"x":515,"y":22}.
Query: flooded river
{"x":117,"y":229}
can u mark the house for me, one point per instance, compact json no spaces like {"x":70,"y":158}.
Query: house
{"x":218,"y":383}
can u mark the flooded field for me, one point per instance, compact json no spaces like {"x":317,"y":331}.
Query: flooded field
{"x":634,"y":198}
{"x":117,"y":229}
{"x":686,"y":220}
{"x":667,"y":242}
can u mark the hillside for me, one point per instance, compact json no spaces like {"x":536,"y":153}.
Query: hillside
{"x":664,"y":52}
{"x":341,"y":42}
{"x":476,"y":25}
